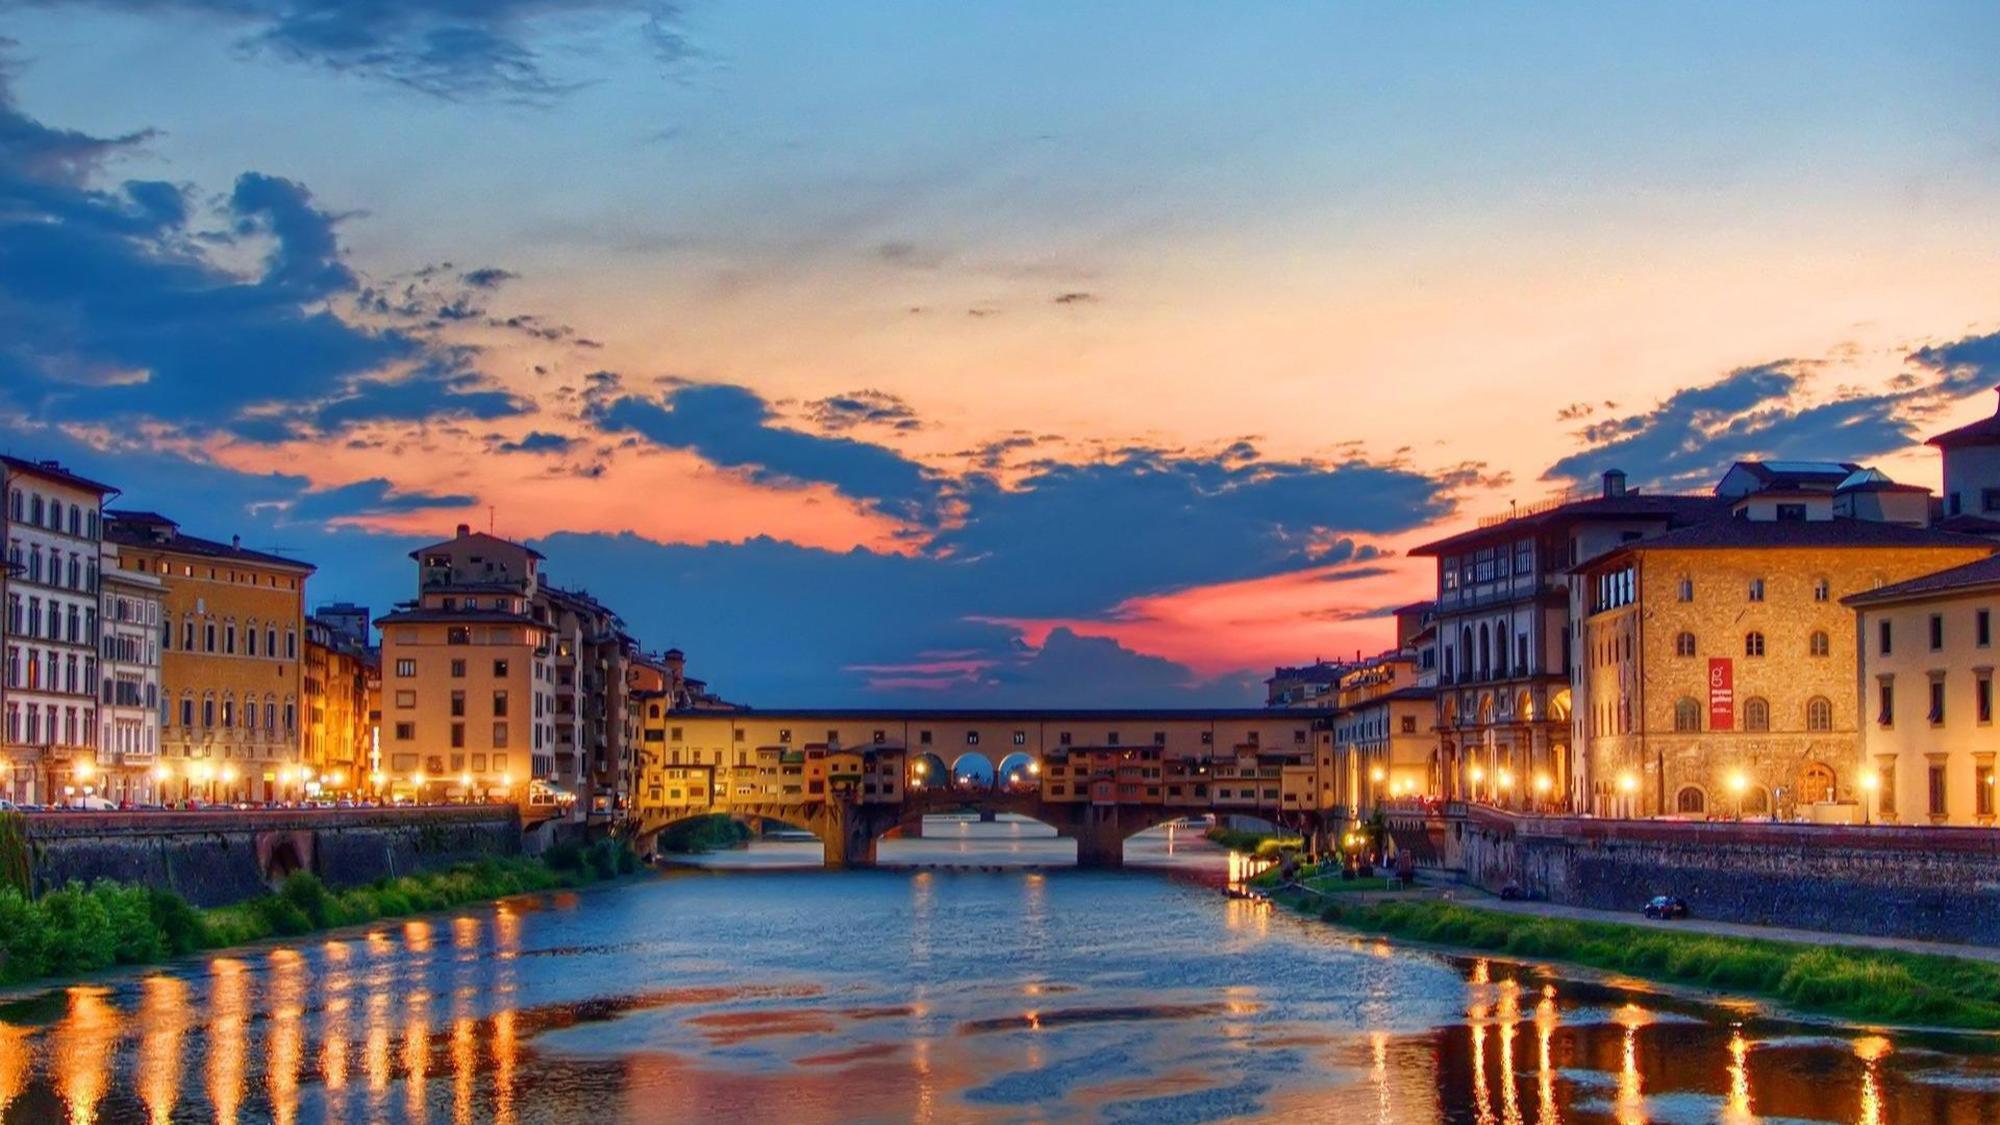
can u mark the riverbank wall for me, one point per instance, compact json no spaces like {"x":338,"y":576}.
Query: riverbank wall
{"x":1937,"y":884}
{"x":216,"y":857}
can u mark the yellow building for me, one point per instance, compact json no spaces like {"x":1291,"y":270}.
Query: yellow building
{"x":1381,"y":742}
{"x":231,"y":671}
{"x":338,"y":732}
{"x":1926,"y":693}
{"x":467,"y":676}
{"x":1715,"y":664}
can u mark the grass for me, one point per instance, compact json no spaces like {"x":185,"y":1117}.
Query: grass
{"x":80,"y":929}
{"x":1865,"y":985}
{"x":1267,"y":844}
{"x":1333,"y":884}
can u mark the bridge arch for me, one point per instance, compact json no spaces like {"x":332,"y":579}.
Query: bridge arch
{"x":972,"y":769}
{"x":1019,"y":770}
{"x":927,"y":771}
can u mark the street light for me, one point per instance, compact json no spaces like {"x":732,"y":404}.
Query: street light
{"x":1870,"y":781}
{"x":1738,"y":785}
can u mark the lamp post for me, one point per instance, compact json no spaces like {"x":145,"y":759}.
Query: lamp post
{"x":1478,"y":778}
{"x":1738,"y":785}
{"x":1628,"y":785}
{"x":1870,"y":782}
{"x":1542,"y":786}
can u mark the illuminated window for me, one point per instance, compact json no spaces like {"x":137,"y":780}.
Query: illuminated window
{"x":1753,"y":644}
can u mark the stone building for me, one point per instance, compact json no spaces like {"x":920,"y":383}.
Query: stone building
{"x":1382,"y":736}
{"x":131,"y":601}
{"x":1715,"y":663}
{"x":232,"y":648}
{"x":339,"y":736}
{"x":1926,"y":696}
{"x":1504,"y":640}
{"x":52,"y":525}
{"x":596,"y":731}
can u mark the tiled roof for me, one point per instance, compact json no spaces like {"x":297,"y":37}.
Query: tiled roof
{"x":55,"y":472}
{"x":1676,"y":508}
{"x":155,"y":532}
{"x":1973,"y":575}
{"x":1837,"y":532}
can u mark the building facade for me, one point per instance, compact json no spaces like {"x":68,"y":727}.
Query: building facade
{"x":232,"y":638}
{"x":131,"y":602}
{"x":1925,"y":694}
{"x":338,"y":734}
{"x":1383,"y":737}
{"x":1716,"y":663}
{"x":468,"y":676}
{"x":52,"y":525}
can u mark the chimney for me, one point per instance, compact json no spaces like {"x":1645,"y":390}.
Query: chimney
{"x":464,"y":530}
{"x":1614,"y":483}
{"x":236,"y":541}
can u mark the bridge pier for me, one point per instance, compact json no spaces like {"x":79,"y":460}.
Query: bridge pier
{"x":1100,"y":839}
{"x":848,"y":833}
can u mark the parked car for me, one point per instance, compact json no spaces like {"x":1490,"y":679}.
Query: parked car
{"x":1666,"y":906}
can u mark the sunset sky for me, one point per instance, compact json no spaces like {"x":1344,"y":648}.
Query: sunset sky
{"x":990,"y":354}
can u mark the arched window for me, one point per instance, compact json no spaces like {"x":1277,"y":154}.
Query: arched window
{"x":1684,"y":644}
{"x":1821,"y":590}
{"x":1820,"y":644}
{"x":1756,"y":714}
{"x":1691,"y":800}
{"x":1687,"y":589}
{"x":1687,"y":715}
{"x":1753,"y":643}
{"x":1819,"y":713}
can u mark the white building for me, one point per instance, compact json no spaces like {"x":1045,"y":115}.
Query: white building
{"x":129,"y":691}
{"x":53,"y":525}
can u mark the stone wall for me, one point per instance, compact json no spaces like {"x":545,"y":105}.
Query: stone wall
{"x":216,"y":857}
{"x":1941,"y":884}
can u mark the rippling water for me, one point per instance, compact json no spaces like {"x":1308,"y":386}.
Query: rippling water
{"x":982,"y":994}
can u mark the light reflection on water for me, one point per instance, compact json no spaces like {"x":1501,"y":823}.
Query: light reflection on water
{"x":939,"y":995}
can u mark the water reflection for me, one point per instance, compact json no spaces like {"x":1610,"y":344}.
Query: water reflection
{"x":934,"y":995}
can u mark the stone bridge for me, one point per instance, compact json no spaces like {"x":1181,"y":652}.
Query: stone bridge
{"x":215,"y":856}
{"x":850,"y":829}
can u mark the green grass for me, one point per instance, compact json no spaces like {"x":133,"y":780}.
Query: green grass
{"x":1866,"y":985}
{"x":1256,"y":843}
{"x":1333,"y":884}
{"x":80,"y":929}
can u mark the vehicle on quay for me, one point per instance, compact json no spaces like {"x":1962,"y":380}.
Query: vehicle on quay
{"x":1666,"y":907}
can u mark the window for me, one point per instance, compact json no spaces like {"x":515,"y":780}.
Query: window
{"x":881,"y":737}
{"x":457,"y":704}
{"x":1884,"y":637}
{"x":1936,"y":714}
{"x":1687,"y":715}
{"x":1409,"y":724}
{"x":1982,"y":790}
{"x":1690,"y":800}
{"x":1791,"y":512}
{"x":458,"y":635}
{"x":406,"y":668}
{"x":1684,"y":644}
{"x":1885,"y":711}
{"x":1937,"y":631}
{"x":458,"y":736}
{"x":458,"y":669}
{"x":1937,"y":794}
{"x":1756,"y":714}
{"x":785,"y":735}
{"x":1753,"y":643}
{"x":1020,"y":738}
{"x":1982,"y":697}
{"x":1819,"y":713}
{"x":1686,"y":591}
{"x":1989,"y":499}
{"x":1982,"y":628}
{"x":499,"y":736}
{"x":1756,"y":589}
{"x":1821,"y":591}
{"x":499,"y":704}
{"x":499,"y":669}
{"x":406,"y":699}
{"x":1819,"y":644}
{"x":972,"y":738}
{"x":406,"y":732}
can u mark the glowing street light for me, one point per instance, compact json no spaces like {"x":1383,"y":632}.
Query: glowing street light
{"x":1738,"y":785}
{"x":84,"y":768}
{"x":1376,"y":775}
{"x":1870,"y":782}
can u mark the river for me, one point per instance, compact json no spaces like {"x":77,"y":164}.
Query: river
{"x":995,"y":988}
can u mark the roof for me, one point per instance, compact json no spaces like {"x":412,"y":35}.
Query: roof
{"x":1978,"y":575}
{"x":53,"y":470}
{"x":467,"y":535}
{"x":1875,"y":480}
{"x":1840,"y":531}
{"x":457,"y":617}
{"x":1672,"y":506}
{"x":154,"y":531}
{"x":1968,"y":524}
{"x":1986,"y":431}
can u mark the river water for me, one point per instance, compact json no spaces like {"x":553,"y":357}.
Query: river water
{"x":997,"y":987}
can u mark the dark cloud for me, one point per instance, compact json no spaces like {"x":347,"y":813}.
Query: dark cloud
{"x":539,"y":442}
{"x":1075,"y":297}
{"x":490,"y":277}
{"x":1688,"y":439}
{"x":373,"y":497}
{"x":444,"y":48}
{"x":856,"y":408}
{"x":111,"y":306}
{"x":733,"y":427}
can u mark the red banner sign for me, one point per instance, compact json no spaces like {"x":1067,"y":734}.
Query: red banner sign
{"x":1721,"y":694}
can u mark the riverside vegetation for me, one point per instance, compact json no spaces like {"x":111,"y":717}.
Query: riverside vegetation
{"x":1851,"y":982}
{"x":1267,"y":844}
{"x":79,"y":929}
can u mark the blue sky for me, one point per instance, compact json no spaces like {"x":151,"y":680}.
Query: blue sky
{"x":952,"y":353}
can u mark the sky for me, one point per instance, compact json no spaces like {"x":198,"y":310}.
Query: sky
{"x":1005,"y":355}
